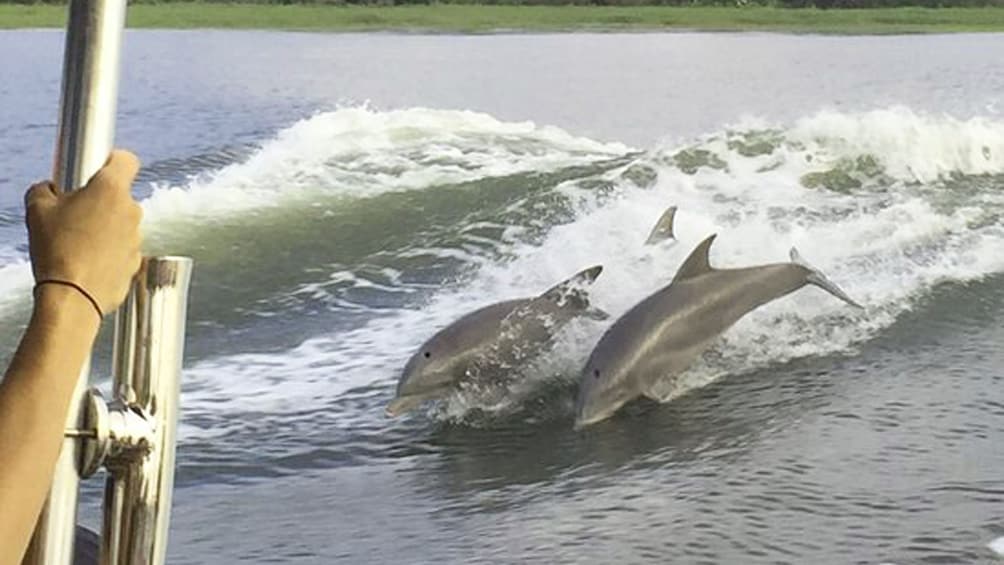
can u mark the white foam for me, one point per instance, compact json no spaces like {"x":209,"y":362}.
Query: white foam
{"x":997,"y":546}
{"x":358,"y":152}
{"x":912,"y":145}
{"x":15,"y":283}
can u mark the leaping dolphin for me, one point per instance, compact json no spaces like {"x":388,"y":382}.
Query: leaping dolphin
{"x":492,"y":341}
{"x":645,"y":351}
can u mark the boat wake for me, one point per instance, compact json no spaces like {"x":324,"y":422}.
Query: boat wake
{"x":327,"y":255}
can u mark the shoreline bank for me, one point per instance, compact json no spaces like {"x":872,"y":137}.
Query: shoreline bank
{"x":466,"y":18}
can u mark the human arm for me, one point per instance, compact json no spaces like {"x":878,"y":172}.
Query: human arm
{"x":89,"y":238}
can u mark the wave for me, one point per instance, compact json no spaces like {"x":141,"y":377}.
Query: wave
{"x":862,"y":196}
{"x":358,"y":152}
{"x":908,"y":145}
{"x":15,"y":277}
{"x":323,"y":161}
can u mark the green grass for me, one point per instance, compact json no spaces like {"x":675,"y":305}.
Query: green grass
{"x":474,"y":18}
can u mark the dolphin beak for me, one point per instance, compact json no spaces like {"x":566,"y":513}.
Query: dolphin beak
{"x":401,"y":405}
{"x":586,"y":417}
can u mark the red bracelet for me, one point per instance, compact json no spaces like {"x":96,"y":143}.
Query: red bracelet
{"x":75,"y":286}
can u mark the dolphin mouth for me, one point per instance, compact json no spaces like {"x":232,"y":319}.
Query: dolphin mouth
{"x":409,"y":402}
{"x":401,"y":405}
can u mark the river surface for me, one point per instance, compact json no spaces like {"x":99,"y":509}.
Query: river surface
{"x":347,"y":195}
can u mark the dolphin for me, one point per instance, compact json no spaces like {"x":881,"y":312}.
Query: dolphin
{"x":646,"y":349}
{"x":492,"y":341}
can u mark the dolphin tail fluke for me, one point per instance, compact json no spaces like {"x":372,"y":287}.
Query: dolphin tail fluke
{"x":582,"y":278}
{"x":573,"y":284}
{"x":572,"y":292}
{"x":663,"y":229}
{"x":817,"y":278}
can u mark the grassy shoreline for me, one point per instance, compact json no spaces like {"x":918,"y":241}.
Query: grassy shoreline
{"x":482,"y":19}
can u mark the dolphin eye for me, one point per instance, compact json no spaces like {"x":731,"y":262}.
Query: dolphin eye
{"x":428,"y":354}
{"x":596,"y":373}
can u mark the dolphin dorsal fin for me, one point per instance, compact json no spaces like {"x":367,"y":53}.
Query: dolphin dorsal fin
{"x":697,"y":263}
{"x":663,"y":228}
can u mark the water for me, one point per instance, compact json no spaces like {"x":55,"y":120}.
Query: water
{"x":345,"y":196}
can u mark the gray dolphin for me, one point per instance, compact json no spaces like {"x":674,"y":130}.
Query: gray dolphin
{"x":644,"y":351}
{"x":492,"y":341}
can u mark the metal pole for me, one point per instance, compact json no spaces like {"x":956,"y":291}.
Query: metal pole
{"x":149,"y":344}
{"x":86,"y":130}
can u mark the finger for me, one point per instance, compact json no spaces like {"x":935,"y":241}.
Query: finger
{"x":123,"y":163}
{"x":118,"y":172}
{"x":40,"y":194}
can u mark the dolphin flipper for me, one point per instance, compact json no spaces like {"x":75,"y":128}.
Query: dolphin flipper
{"x":819,"y":279}
{"x":663,"y":228}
